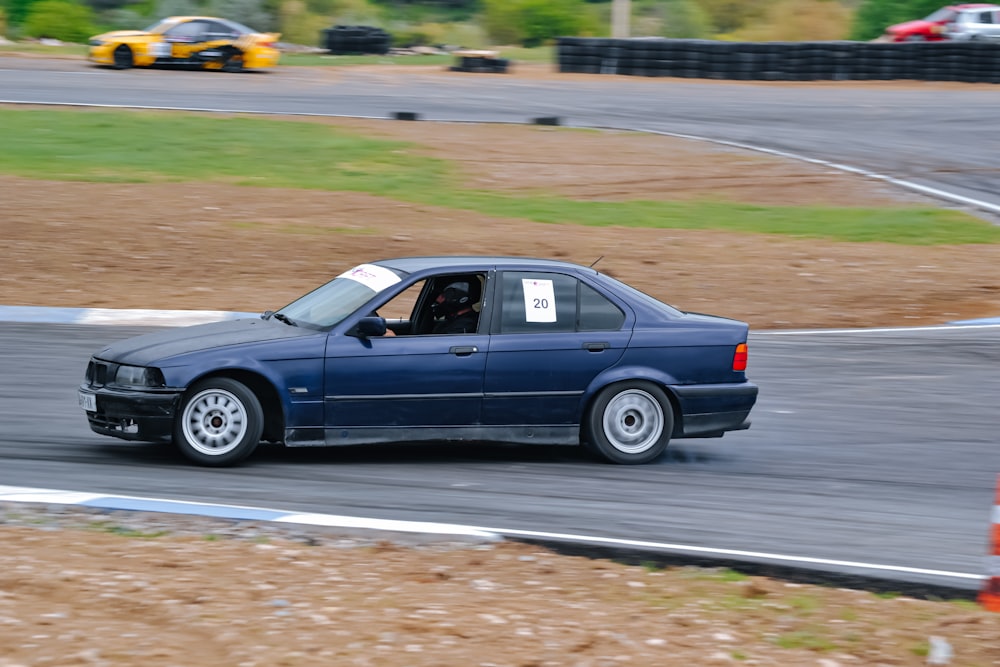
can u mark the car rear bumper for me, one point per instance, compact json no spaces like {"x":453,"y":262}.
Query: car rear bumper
{"x":708,"y":411}
{"x":133,"y":415}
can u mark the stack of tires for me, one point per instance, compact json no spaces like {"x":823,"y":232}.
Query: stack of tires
{"x":355,"y":40}
{"x":782,"y":61}
{"x":481,"y":64}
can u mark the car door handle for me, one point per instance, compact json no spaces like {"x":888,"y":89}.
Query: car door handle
{"x":463,"y":350}
{"x":595,"y":347}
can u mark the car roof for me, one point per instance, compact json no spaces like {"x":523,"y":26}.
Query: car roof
{"x":463,"y":262}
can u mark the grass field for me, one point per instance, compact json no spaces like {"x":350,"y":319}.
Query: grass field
{"x":122,"y":146}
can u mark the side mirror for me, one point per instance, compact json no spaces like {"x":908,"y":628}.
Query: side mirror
{"x":371,"y":326}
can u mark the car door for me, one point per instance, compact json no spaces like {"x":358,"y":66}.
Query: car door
{"x":991,"y":29}
{"x":376,"y":386}
{"x":186,"y":38}
{"x":552,"y":335}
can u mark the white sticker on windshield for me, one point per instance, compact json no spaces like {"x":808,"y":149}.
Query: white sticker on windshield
{"x":375,"y":278}
{"x":539,"y":300}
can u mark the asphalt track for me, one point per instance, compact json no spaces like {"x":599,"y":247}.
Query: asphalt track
{"x":867,"y":446}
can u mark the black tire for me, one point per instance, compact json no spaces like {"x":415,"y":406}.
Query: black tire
{"x":122,"y":58}
{"x":232,"y":61}
{"x":219,"y":423}
{"x":630,"y":423}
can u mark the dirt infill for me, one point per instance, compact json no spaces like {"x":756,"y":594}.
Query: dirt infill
{"x":220,"y":247}
{"x":159,"y":590}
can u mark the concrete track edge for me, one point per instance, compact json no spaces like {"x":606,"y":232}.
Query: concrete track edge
{"x":916,"y":582}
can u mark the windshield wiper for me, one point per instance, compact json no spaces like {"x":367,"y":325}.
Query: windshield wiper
{"x":281,"y":317}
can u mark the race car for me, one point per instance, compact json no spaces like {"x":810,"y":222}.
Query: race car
{"x":192,"y":41}
{"x":474,"y":349}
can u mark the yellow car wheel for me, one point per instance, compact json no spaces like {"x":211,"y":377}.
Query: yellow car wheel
{"x":232,"y":61}
{"x":122,"y":57}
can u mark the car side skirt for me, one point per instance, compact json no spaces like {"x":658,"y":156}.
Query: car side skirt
{"x":362,"y":435}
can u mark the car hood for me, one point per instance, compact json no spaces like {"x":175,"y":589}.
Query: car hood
{"x":148,"y":349}
{"x":918,"y":25}
{"x":117,"y":34}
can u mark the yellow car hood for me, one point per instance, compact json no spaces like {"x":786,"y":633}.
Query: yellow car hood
{"x":119,"y":34}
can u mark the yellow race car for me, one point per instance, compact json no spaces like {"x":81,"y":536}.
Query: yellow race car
{"x":192,"y":41}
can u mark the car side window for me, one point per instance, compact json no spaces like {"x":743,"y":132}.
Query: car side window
{"x":215,"y":30}
{"x":186,"y":32}
{"x":597,"y":313}
{"x":535,"y":302}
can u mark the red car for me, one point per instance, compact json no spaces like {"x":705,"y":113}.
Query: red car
{"x":931,"y":28}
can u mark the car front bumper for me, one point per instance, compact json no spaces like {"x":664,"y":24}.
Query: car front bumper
{"x":101,"y":54}
{"x":142,"y":415}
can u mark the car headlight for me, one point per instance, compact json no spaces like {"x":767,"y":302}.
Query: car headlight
{"x":96,"y":42}
{"x":139,"y":376}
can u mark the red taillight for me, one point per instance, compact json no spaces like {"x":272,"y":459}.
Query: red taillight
{"x":740,"y":357}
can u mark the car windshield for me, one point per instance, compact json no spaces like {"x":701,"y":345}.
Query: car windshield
{"x":944,"y":14}
{"x":327,"y":305}
{"x":161,"y":25}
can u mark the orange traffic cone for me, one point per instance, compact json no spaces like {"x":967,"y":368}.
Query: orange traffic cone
{"x":989,"y":597}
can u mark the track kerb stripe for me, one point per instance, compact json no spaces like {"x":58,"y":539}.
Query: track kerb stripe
{"x":989,"y":596}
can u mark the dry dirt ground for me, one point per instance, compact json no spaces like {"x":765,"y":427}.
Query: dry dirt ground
{"x":84,"y":588}
{"x":223,"y":247}
{"x":80,"y":588}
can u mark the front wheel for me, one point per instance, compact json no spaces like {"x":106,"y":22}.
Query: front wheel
{"x":220,"y":423}
{"x":122,"y":58}
{"x":630,"y":423}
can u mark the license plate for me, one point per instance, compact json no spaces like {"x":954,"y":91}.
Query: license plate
{"x":88,"y":401}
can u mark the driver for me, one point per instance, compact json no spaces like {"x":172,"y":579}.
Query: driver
{"x":452,"y":309}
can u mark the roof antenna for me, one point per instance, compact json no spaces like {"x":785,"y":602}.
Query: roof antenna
{"x":596,"y":261}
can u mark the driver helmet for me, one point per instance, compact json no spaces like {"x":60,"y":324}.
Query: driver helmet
{"x":452,"y":299}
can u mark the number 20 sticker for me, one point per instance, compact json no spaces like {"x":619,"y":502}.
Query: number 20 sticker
{"x":539,"y":300}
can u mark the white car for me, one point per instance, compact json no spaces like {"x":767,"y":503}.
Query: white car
{"x":980,"y":22}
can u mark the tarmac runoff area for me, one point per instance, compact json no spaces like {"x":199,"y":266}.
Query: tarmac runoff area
{"x":871,"y":576}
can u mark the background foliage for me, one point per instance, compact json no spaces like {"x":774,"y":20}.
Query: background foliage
{"x":872,"y":16}
{"x":481,"y":23}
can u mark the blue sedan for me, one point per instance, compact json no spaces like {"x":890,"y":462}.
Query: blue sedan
{"x":473,"y":349}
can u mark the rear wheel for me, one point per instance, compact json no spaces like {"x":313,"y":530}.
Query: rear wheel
{"x":123,"y":57}
{"x":220,"y":423}
{"x":232,"y":61}
{"x":630,"y":423}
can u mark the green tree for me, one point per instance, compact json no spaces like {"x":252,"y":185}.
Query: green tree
{"x":874,"y":16}
{"x":534,"y":22}
{"x":670,"y":18}
{"x":17,"y":10}
{"x":731,"y":15}
{"x":60,"y":19}
{"x":798,"y":21}
{"x":250,"y":13}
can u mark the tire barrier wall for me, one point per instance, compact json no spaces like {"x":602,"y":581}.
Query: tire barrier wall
{"x":355,"y":40}
{"x":973,"y":62}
